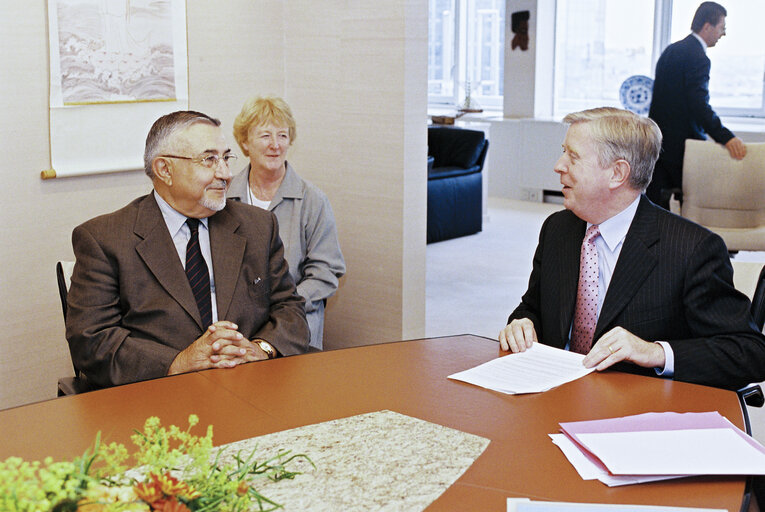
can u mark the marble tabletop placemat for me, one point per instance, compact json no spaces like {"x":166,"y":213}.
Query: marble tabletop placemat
{"x":377,"y":461}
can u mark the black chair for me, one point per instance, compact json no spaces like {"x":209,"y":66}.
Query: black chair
{"x":752,"y":395}
{"x":78,"y":383}
{"x":455,"y":192}
{"x":758,"y":301}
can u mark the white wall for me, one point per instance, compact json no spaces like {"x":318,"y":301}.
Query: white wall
{"x":524,"y":151}
{"x":355,"y":74}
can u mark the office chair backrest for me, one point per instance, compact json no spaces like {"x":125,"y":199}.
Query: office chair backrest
{"x":744,"y":280}
{"x":749,"y":279}
{"x":726,"y":195}
{"x":758,"y":300}
{"x":64,"y":271}
{"x":76,"y":384}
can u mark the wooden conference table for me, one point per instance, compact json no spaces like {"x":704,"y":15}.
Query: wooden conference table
{"x":405,"y":377}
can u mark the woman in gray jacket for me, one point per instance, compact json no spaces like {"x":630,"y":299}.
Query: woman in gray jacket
{"x":265,"y":130}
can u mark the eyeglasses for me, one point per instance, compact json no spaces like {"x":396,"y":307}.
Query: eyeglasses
{"x":208,"y":161}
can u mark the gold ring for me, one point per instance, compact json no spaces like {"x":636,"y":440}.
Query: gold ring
{"x":610,"y":349}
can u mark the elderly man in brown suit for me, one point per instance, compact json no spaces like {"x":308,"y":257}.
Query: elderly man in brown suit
{"x":180,"y":280}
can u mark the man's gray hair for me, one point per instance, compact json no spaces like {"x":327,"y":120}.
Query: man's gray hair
{"x":164,"y":127}
{"x":622,"y":135}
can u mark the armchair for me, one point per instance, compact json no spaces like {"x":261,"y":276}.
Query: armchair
{"x":726,"y":195}
{"x":455,"y":182}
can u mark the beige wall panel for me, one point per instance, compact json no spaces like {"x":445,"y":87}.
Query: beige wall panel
{"x":38,"y":216}
{"x":354,"y":148}
{"x":235,"y":50}
{"x":354,"y":72}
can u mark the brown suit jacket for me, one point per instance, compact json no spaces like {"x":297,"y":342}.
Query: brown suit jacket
{"x":130,"y":306}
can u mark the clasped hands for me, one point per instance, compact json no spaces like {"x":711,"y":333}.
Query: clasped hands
{"x":221,"y":346}
{"x":615,"y":346}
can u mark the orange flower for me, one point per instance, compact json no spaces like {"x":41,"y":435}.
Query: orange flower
{"x":150,"y":491}
{"x":173,"y":505}
{"x":242,"y":489}
{"x":159,"y":488}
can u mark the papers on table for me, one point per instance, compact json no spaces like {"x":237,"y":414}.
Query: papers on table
{"x":657,"y":446}
{"x":589,"y":468}
{"x":526,"y":505}
{"x":537,"y":369}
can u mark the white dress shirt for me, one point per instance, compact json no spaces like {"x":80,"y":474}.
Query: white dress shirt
{"x":700,"y":40}
{"x":180,"y":233}
{"x":609,"y":245}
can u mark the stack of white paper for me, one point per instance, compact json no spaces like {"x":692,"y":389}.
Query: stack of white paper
{"x":538,"y":369}
{"x":657,"y":446}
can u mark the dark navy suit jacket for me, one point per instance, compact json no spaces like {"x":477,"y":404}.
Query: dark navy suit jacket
{"x":680,"y":105}
{"x":673,"y":282}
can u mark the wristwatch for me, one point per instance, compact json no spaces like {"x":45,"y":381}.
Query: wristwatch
{"x":267,"y":348}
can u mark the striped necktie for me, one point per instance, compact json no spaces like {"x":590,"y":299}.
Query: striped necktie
{"x":197,"y":273}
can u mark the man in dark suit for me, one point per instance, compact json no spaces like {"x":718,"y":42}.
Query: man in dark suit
{"x":662,"y":296}
{"x":135,"y":314}
{"x":680,"y":102}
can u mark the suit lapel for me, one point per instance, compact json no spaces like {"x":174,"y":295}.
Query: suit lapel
{"x":636,"y":261}
{"x":568,"y":279}
{"x":227,"y":249}
{"x":158,"y":252}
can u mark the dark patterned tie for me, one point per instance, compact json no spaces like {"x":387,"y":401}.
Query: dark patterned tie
{"x":196,"y":271}
{"x":586,"y":311}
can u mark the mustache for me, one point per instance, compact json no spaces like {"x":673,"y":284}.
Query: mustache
{"x":217,"y":184}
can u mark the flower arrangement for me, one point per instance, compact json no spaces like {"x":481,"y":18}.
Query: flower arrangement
{"x":173,"y":471}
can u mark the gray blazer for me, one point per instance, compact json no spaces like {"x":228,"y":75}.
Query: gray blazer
{"x":311,"y":247}
{"x":130,"y":306}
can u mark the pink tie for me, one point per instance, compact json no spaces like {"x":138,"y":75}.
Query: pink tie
{"x":586,"y":312}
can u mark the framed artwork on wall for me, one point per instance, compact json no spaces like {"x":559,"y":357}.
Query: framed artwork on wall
{"x":115,"y":67}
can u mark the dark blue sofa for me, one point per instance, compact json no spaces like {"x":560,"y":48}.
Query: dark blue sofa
{"x":455,"y":161}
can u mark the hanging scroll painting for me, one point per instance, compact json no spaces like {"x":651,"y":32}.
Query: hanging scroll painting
{"x":115,"y":67}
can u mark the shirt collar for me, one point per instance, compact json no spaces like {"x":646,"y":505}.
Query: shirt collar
{"x":615,"y":229}
{"x":173,"y":218}
{"x":700,"y":40}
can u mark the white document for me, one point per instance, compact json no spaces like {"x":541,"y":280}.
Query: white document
{"x":537,"y":369}
{"x":589,"y":470}
{"x":712,"y":451}
{"x":526,"y":505}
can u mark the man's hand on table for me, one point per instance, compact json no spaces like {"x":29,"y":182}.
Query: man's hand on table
{"x":618,"y":345}
{"x":615,"y":346}
{"x":221,"y":346}
{"x":518,"y":335}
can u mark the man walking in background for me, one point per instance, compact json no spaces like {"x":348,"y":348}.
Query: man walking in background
{"x":680,"y":103}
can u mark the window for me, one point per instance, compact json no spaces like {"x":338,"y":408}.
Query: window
{"x":738,"y":60}
{"x":600,"y":43}
{"x":466,"y":42}
{"x":441,"y":49}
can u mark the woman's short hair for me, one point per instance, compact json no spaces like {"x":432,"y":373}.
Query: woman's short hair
{"x":261,"y":110}
{"x":623,"y":135}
